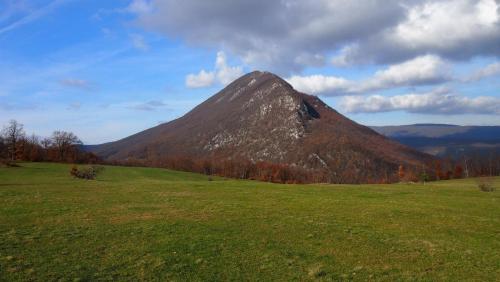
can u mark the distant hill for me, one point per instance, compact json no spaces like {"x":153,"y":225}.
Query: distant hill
{"x":445,"y":139}
{"x":260,"y":117}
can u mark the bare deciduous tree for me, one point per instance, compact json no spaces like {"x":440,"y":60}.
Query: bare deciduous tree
{"x":3,"y":147}
{"x":46,"y":143}
{"x":64,"y":142}
{"x":12,"y":133}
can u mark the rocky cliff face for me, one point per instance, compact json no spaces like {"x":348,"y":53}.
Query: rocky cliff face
{"x":260,"y":117}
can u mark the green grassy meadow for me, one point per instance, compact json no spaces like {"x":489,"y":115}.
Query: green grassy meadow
{"x":155,"y":224}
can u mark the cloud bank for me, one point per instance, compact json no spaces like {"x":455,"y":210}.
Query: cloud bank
{"x":412,"y":43}
{"x":289,"y":35}
{"x":424,"y":70}
{"x":440,"y":101}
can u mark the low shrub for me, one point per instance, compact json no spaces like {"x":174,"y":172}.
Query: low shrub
{"x":485,"y":184}
{"x":88,"y":173}
{"x":74,"y":171}
{"x":8,"y":163}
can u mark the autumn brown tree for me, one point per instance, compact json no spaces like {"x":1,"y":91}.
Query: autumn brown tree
{"x":401,"y":172}
{"x":438,"y":170}
{"x":33,"y":150}
{"x":458,"y":172}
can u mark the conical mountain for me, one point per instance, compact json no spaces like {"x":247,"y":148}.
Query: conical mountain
{"x":260,"y":117}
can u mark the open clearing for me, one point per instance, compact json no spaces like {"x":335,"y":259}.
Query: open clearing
{"x":155,"y":224}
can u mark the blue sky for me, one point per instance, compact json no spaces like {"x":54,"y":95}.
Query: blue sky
{"x":108,"y":69}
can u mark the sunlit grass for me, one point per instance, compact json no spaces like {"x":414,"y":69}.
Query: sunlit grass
{"x":155,"y":224}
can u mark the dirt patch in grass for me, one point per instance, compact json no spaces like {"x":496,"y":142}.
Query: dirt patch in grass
{"x":316,"y":271}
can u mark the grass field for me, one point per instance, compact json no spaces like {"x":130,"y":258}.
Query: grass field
{"x":155,"y":224}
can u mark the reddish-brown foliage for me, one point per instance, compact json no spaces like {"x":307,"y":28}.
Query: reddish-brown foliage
{"x":401,"y":172}
{"x":458,"y":172}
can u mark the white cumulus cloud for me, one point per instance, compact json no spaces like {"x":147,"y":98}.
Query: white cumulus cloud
{"x":226,"y":74}
{"x":222,"y":73}
{"x":423,"y":70}
{"x":428,"y":69}
{"x":321,"y":84}
{"x":200,"y":80}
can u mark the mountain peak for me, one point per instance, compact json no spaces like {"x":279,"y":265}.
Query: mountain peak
{"x":259,"y":78}
{"x":260,"y":117}
{"x":253,"y":86}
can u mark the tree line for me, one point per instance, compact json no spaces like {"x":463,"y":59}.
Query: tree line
{"x":61,"y":146}
{"x":241,"y":169}
{"x":465,"y":166}
{"x":439,"y":169}
{"x":66,"y":147}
